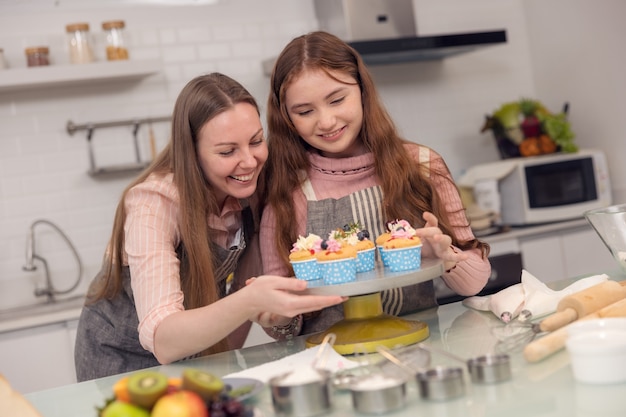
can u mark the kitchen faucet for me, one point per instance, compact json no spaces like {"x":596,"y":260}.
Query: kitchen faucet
{"x":49,"y":291}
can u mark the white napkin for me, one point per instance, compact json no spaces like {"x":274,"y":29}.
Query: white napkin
{"x":530,"y":295}
{"x":331,"y":361}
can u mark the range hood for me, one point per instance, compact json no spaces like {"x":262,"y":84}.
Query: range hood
{"x":425,"y":48}
{"x":385,"y":32}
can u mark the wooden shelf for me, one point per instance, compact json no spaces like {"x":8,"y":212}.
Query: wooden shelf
{"x":62,"y":75}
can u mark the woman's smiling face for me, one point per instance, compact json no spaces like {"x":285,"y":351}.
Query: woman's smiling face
{"x":232,"y":150}
{"x":327,"y":112}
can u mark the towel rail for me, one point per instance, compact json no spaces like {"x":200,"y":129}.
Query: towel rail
{"x":120,"y":169}
{"x":73,"y":127}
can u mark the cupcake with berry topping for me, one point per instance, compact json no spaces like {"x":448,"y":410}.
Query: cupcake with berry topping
{"x":353,"y":234}
{"x":302,"y":257}
{"x":403,"y":250}
{"x":337,"y":262}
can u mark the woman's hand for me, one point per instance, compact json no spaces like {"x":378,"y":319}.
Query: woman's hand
{"x":437,"y":244}
{"x":278,"y":299}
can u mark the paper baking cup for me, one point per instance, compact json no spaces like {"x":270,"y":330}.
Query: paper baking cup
{"x":306,"y":270}
{"x":404,"y":259}
{"x":365,"y":260}
{"x":339,"y":271}
{"x":381,"y":253}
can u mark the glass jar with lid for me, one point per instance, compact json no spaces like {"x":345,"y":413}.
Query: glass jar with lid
{"x":37,"y":56}
{"x":116,"y":44}
{"x":79,"y":43}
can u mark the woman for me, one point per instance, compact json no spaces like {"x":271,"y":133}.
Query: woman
{"x":335,"y":157}
{"x":181,"y":229}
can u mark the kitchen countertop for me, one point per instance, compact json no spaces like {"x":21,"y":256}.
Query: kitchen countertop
{"x":41,"y":314}
{"x":546,"y":388}
{"x":523,"y":231}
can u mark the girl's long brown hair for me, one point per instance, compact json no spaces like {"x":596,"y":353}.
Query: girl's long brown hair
{"x":407,"y":188}
{"x":202,"y":99}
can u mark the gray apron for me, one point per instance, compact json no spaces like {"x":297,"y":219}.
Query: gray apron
{"x":364,"y":206}
{"x":107,"y":340}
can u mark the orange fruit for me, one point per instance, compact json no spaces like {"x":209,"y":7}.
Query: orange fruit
{"x":530,"y":147}
{"x":546,"y":144}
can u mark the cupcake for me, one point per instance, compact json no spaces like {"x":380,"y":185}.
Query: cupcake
{"x":380,"y":241}
{"x":352,"y":234}
{"x":403,"y":250}
{"x":337,"y":262}
{"x":302,"y":257}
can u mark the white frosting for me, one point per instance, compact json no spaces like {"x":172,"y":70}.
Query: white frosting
{"x":375,"y":382}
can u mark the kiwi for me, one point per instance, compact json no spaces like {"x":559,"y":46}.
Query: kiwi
{"x":146,"y":387}
{"x":206,"y":385}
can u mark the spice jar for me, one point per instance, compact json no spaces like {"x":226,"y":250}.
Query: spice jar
{"x":37,"y":56}
{"x":116,"y":46}
{"x":79,"y":43}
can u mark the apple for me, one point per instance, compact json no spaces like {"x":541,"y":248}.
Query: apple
{"x":119,"y":408}
{"x":180,"y":404}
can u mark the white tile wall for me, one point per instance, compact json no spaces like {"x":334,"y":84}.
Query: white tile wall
{"x":43,"y":169}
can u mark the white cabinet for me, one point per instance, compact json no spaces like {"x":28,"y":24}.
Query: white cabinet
{"x":565,"y":254}
{"x":39,"y":358}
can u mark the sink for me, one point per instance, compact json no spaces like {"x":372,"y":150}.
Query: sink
{"x":42,"y":308}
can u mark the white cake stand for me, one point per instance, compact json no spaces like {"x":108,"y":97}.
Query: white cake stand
{"x":365,"y":326}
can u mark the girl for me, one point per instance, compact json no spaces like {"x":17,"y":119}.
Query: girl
{"x":335,"y":157}
{"x":180,"y":230}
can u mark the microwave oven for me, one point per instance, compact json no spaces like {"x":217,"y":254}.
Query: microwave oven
{"x":541,"y":189}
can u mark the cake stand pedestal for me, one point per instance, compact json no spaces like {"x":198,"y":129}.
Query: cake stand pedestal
{"x":365,"y":326}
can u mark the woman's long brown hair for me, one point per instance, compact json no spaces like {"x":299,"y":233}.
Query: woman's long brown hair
{"x":202,"y":99}
{"x":407,"y":188}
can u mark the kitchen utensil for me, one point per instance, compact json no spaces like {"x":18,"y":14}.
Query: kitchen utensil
{"x":582,"y":303}
{"x":301,"y":394}
{"x":598,"y":356}
{"x":484,"y":369}
{"x":518,"y":333}
{"x":378,"y":394}
{"x":304,"y":392}
{"x":490,"y":369}
{"x":410,"y":359}
{"x":610,"y":224}
{"x":609,"y":323}
{"x":555,"y":341}
{"x":441,"y":383}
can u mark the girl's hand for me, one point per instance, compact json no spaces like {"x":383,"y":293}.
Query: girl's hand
{"x":437,"y":244}
{"x":278,"y":299}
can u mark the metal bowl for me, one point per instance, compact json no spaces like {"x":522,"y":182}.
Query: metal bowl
{"x":490,"y":369}
{"x":301,"y":393}
{"x":441,"y":383}
{"x":378,"y":394}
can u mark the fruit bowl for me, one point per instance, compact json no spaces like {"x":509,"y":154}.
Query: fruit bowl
{"x":610,"y":224}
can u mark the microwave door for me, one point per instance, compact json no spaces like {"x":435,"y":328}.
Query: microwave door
{"x":560,"y":184}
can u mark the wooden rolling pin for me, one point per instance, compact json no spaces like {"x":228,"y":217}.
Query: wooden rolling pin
{"x":555,"y":341}
{"x":582,"y":303}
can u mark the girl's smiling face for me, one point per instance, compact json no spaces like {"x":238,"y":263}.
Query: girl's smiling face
{"x":327,"y":112}
{"x":232,"y":150}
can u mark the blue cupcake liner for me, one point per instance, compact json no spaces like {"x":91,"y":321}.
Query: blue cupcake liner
{"x":307,"y":270}
{"x":381,"y":253}
{"x":365,"y":260}
{"x":403,"y":259}
{"x":339,"y":271}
